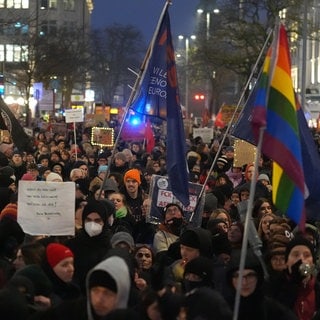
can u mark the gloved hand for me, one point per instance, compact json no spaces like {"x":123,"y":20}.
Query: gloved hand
{"x":296,"y":276}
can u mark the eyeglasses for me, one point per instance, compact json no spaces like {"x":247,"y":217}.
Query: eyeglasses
{"x":141,"y":255}
{"x":248,"y":277}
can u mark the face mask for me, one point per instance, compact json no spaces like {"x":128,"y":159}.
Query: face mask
{"x":175,"y":225}
{"x":93,"y":228}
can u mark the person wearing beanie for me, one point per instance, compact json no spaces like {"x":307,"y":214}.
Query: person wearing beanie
{"x":124,"y":240}
{"x":198,"y":273}
{"x":119,"y":164}
{"x":92,"y":242}
{"x":18,"y":164}
{"x":193,"y":243}
{"x":110,"y":186}
{"x":297,"y":286}
{"x":133,"y":192}
{"x":132,"y":174}
{"x":28,"y":177}
{"x":10,"y":210}
{"x":254,"y":303}
{"x":54,"y":177}
{"x":170,"y":228}
{"x":59,"y":268}
{"x":108,"y":289}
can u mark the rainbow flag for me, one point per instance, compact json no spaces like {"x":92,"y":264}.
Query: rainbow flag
{"x":275,"y":109}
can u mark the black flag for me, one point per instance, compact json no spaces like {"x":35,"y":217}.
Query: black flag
{"x":9,"y":122}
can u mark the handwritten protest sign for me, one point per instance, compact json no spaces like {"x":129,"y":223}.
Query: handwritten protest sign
{"x":46,"y":208}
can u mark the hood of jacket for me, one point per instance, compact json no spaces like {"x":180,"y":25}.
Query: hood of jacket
{"x":118,"y":269}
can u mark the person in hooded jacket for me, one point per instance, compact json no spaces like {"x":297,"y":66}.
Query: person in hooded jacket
{"x":92,"y":242}
{"x":254,"y":304}
{"x":108,"y":287}
{"x":107,"y":290}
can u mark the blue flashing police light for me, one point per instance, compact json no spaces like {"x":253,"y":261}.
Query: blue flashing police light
{"x":1,"y":84}
{"x":135,"y":119}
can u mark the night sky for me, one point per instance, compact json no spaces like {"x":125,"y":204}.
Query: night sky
{"x":144,"y":14}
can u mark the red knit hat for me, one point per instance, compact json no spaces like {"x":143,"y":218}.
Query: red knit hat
{"x":27,"y":177}
{"x":10,"y":210}
{"x":57,"y":252}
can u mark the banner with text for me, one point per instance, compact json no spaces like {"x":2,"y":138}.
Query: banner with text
{"x":161,"y":194}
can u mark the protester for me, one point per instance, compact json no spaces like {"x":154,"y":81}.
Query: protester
{"x":91,"y":243}
{"x":133,"y":192}
{"x":170,"y":228}
{"x":254,"y":304}
{"x":298,"y":288}
{"x":59,"y":267}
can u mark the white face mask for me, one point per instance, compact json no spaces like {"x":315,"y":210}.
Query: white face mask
{"x":92,"y":228}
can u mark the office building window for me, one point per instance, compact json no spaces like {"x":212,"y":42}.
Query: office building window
{"x":53,"y":4}
{"x":2,"y":55}
{"x":15,"y":4}
{"x":68,"y":5}
{"x":14,"y":53}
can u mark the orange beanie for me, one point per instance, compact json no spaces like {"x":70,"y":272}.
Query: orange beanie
{"x":132,"y":174}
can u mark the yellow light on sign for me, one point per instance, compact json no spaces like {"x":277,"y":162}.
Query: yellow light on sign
{"x":114,"y":111}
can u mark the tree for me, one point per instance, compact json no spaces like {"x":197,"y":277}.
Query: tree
{"x":235,"y":39}
{"x":114,"y":50}
{"x":64,"y":56}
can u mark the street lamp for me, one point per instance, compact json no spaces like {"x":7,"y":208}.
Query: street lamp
{"x":187,"y":48}
{"x":208,"y":22}
{"x":208,"y":18}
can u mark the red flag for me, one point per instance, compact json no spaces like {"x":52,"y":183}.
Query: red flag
{"x":149,"y":137}
{"x":219,"y":122}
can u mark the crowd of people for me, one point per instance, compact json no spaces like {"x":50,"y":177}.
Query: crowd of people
{"x":121,"y":265}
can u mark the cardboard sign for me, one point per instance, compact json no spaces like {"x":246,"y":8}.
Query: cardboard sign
{"x":102,"y":137}
{"x":244,"y":153}
{"x":46,"y":208}
{"x":161,"y":195}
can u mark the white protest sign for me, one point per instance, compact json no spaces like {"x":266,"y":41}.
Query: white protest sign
{"x":205,"y":133}
{"x":74,"y":115}
{"x":46,"y":208}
